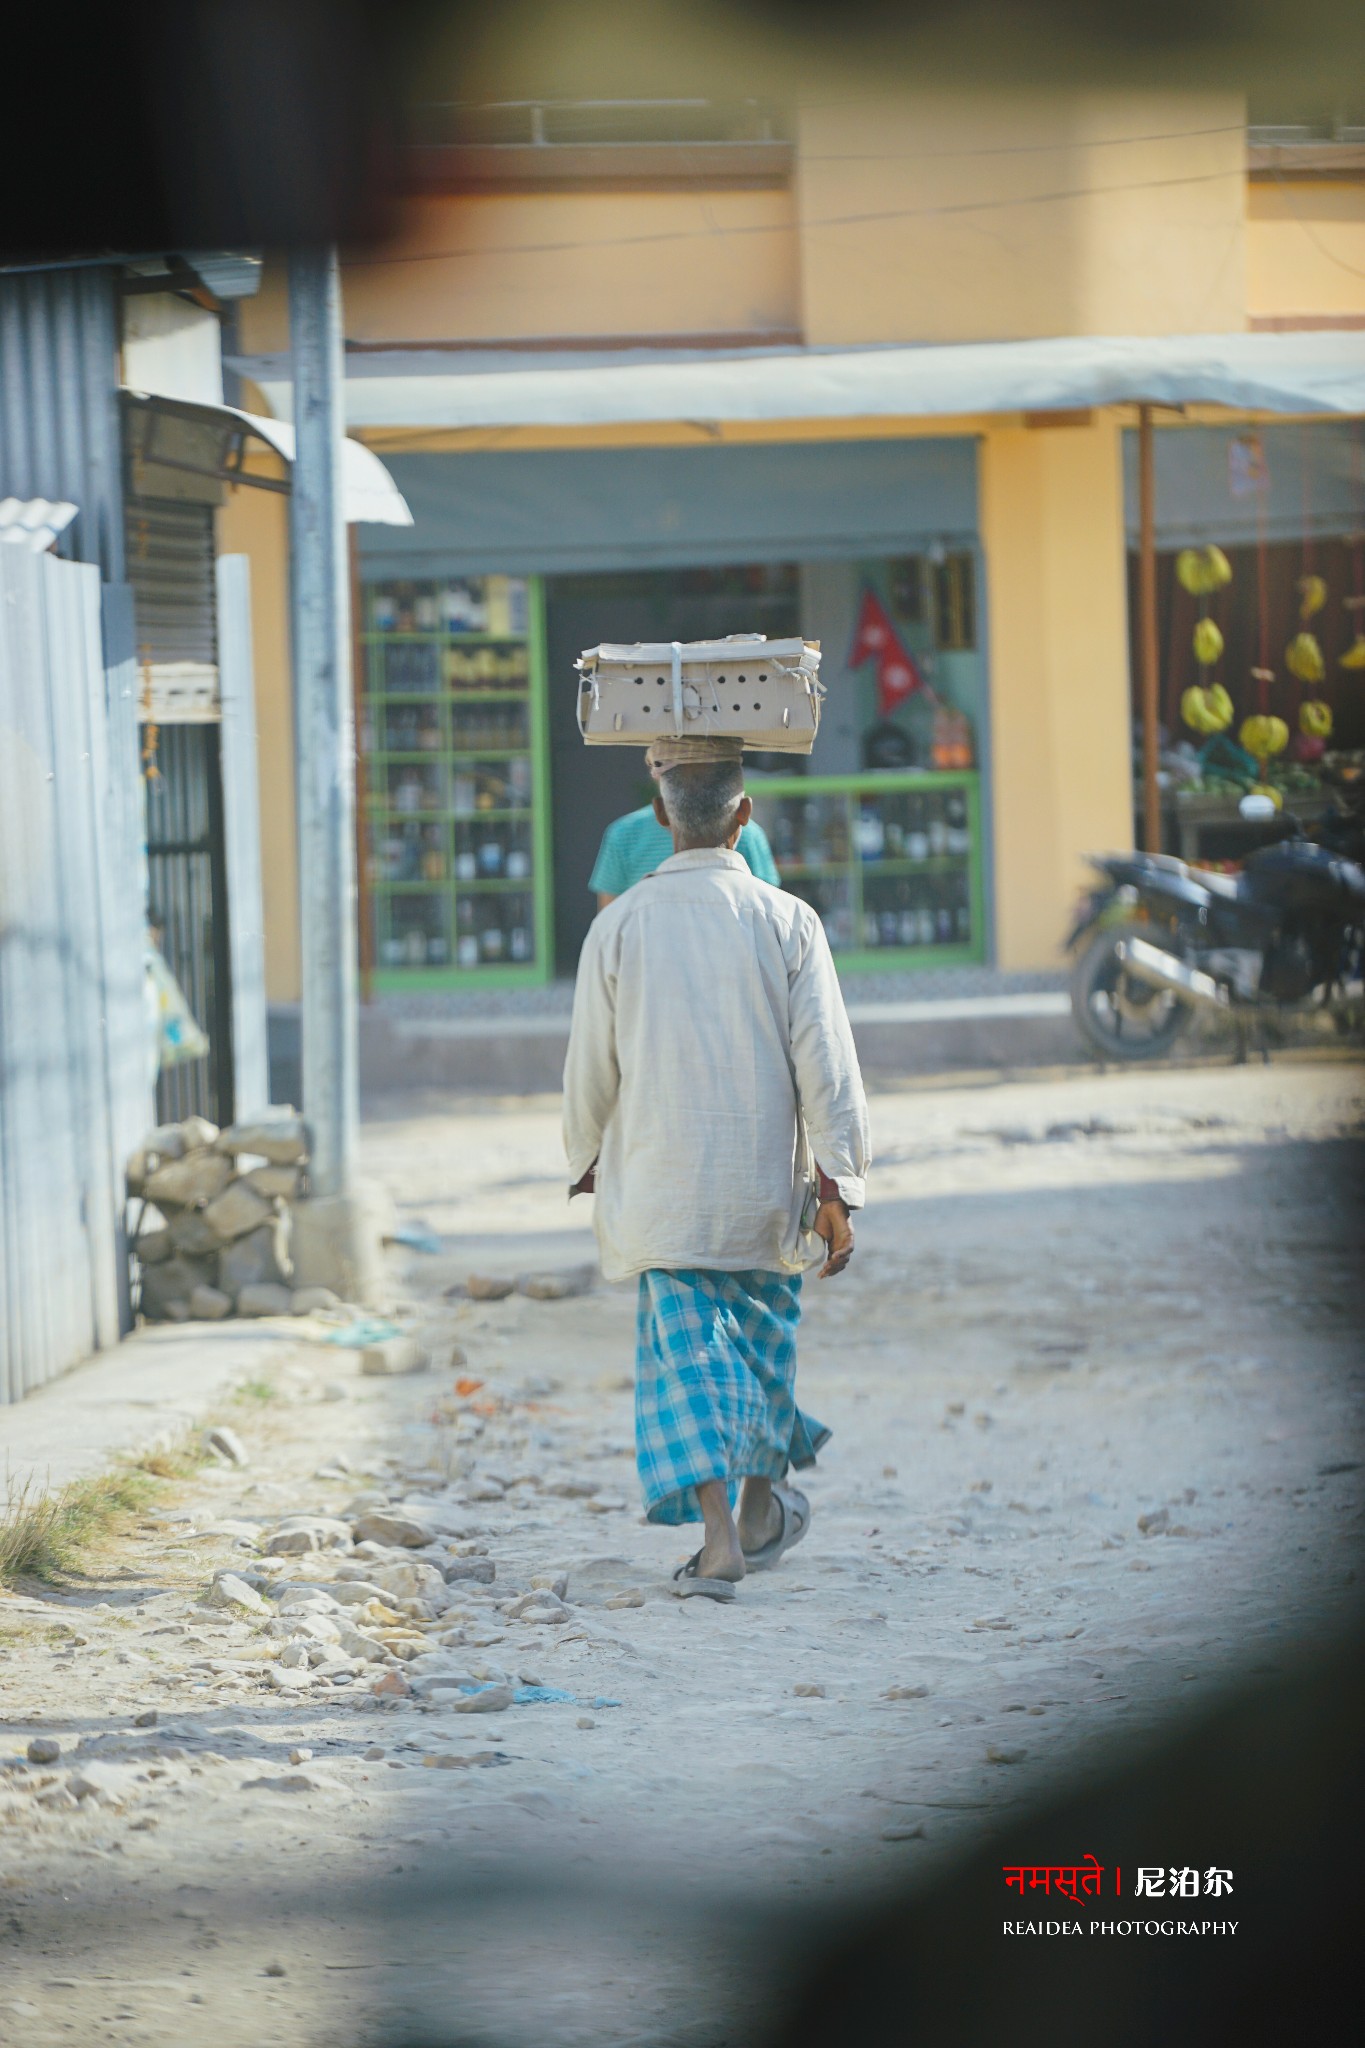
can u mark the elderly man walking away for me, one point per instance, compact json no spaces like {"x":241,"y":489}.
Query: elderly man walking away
{"x":712,"y":1101}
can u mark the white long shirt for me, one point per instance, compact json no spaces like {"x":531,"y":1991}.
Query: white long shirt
{"x":709,"y":1057}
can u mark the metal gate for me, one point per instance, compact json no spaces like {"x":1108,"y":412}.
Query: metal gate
{"x":188,"y":911}
{"x":171,"y":569}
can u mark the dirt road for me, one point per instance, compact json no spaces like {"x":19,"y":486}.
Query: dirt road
{"x":1094,"y":1384}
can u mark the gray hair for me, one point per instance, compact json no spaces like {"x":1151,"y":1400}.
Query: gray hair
{"x":701,"y":801}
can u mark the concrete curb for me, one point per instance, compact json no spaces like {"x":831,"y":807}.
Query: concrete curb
{"x":519,"y":1055}
{"x":152,"y":1388}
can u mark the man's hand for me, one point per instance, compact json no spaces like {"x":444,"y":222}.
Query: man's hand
{"x":832,"y":1223}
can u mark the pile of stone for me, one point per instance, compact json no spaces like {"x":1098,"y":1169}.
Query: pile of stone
{"x":213,"y":1234}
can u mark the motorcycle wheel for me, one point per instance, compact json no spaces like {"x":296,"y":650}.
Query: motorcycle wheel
{"x":1118,"y":1016}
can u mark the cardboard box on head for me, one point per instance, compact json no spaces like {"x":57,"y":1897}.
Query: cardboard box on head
{"x":762,"y":693}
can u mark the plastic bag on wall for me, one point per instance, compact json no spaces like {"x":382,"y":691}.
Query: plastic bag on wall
{"x":179,"y":1036}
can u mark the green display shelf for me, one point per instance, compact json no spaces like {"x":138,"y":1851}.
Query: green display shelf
{"x":880,"y":908}
{"x":483,"y":931}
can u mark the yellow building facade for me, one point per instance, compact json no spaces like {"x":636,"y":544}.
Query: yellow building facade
{"x":936,"y":220}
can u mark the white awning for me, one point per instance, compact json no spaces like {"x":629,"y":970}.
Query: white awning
{"x":210,"y":440}
{"x":372,"y":497}
{"x":1282,"y":373}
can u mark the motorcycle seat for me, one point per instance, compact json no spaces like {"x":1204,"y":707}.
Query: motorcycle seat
{"x":1219,"y":885}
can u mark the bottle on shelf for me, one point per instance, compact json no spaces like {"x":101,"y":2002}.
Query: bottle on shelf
{"x":871,"y":832}
{"x":489,"y":854}
{"x":955,"y":810}
{"x":916,"y":831}
{"x":938,"y":833}
{"x":433,"y":854}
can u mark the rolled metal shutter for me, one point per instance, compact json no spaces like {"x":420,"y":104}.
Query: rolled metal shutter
{"x":171,"y":568}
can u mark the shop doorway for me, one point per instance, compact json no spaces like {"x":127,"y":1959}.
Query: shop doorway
{"x":592,"y":785}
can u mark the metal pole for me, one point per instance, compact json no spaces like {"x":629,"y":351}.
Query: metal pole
{"x":324,"y":729}
{"x":1147,"y":659}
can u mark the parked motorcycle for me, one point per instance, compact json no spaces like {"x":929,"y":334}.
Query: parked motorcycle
{"x":1160,"y":940}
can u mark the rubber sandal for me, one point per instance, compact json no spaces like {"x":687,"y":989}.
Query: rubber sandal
{"x":795,"y":1522}
{"x":688,"y":1585}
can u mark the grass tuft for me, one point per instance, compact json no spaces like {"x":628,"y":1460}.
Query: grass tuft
{"x":42,"y":1534}
{"x":256,"y":1390}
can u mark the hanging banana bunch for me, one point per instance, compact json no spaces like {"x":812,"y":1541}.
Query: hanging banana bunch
{"x":1207,"y":710}
{"x":1263,"y":736}
{"x":1354,"y":657}
{"x":1315,"y":719}
{"x":1201,"y":571}
{"x":1312,"y":596}
{"x":1303,"y":658}
{"x":1208,"y":643}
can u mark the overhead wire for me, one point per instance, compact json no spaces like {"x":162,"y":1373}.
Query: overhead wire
{"x":658,"y":236}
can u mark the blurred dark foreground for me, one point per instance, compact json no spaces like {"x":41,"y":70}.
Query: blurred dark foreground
{"x":427,"y":1952}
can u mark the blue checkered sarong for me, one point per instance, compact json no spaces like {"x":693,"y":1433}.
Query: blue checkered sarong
{"x":715,"y":1368}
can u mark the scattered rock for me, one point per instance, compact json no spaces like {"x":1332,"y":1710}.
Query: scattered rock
{"x":260,"y":1258}
{"x":146,"y":1719}
{"x":484,"y":1287}
{"x":284,"y":1183}
{"x":296,"y":1756}
{"x":997,"y":1755}
{"x":168,"y":1286}
{"x":191,"y":1233}
{"x":335,"y":1390}
{"x":607,"y":1504}
{"x":388,"y":1526}
{"x":394,"y":1356}
{"x":44,"y":1749}
{"x":394,"y":1686}
{"x":1155,"y":1524}
{"x":550,"y":1582}
{"x":153,"y":1246}
{"x":279,"y":1137}
{"x":632,"y":1598}
{"x":225,"y":1442}
{"x":481,"y":1487}
{"x":904,"y":1831}
{"x":209,"y":1305}
{"x":478,"y":1571}
{"x":277,"y":1969}
{"x":294,"y":1657}
{"x":585,"y":1721}
{"x":299,"y":1534}
{"x":287,"y":1677}
{"x":413,"y":1579}
{"x":543,"y":1606}
{"x":102,"y":1783}
{"x":374,"y":1754}
{"x":229,"y":1591}
{"x":196,"y":1177}
{"x":809,"y":1692}
{"x":556,"y":1286}
{"x":237,"y":1210}
{"x":568,"y":1486}
{"x":492,"y":1700}
{"x":263,"y":1298}
{"x":289,"y":1781}
{"x":306,"y":1301}
{"x":906,"y":1692}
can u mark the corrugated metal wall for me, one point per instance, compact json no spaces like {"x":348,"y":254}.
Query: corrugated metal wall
{"x":59,"y":424}
{"x":75,"y":1071}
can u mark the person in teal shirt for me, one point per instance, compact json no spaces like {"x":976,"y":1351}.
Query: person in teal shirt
{"x":633,"y":846}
